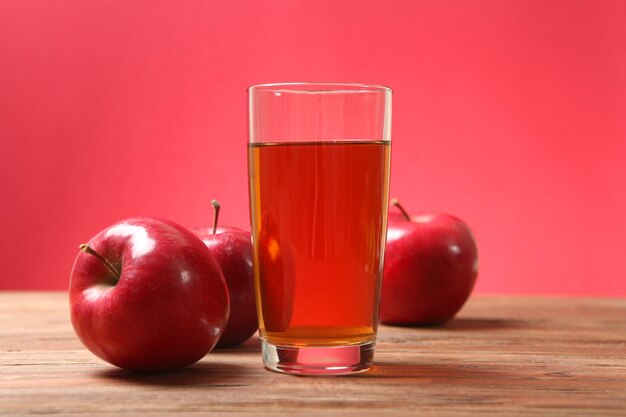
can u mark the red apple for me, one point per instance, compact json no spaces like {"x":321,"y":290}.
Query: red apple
{"x":147,"y":295}
{"x":232,"y":248}
{"x":431,"y":264}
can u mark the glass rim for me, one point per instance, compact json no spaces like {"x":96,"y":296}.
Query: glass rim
{"x":320,"y":87}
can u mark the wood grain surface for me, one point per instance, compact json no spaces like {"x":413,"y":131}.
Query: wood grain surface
{"x":509,"y":356}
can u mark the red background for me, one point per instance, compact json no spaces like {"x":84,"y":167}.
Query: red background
{"x":509,"y":114}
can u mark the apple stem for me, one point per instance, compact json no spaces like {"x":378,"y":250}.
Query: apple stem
{"x":216,"y":213}
{"x":108,"y":265}
{"x":396,"y":203}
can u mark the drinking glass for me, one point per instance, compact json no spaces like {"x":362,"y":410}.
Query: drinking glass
{"x":319,"y":162}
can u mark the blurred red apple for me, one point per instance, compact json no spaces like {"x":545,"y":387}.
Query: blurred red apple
{"x":147,"y":295}
{"x":275,"y":265}
{"x":431,"y":264}
{"x":232,"y":248}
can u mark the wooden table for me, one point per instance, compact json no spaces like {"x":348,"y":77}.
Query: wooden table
{"x":502,"y":356}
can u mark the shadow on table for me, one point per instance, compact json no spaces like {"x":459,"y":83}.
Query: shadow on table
{"x":448,"y":372}
{"x":200,"y":374}
{"x":470,"y":324}
{"x":206,"y":374}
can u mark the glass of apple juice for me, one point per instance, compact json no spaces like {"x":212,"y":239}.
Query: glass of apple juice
{"x":319,"y":163}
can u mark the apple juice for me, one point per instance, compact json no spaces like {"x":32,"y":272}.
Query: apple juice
{"x":318,"y":213}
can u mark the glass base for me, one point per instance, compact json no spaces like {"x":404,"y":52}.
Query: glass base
{"x":336,"y":360}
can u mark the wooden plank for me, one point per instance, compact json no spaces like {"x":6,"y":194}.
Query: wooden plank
{"x":503,"y":356}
